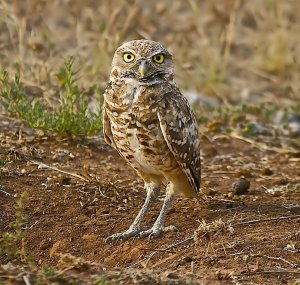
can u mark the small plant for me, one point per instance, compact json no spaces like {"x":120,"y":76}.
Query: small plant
{"x":212,"y":229}
{"x":45,"y":275}
{"x":12,"y":242}
{"x":72,"y":116}
{"x":247,"y":259}
{"x":249,"y":120}
{"x":3,"y":163}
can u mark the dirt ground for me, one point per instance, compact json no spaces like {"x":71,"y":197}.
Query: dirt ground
{"x":256,"y":241}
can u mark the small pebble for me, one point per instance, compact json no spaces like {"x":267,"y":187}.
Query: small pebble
{"x":267,"y":171}
{"x":241,"y":186}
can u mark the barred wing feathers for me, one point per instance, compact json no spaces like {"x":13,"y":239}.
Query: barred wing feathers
{"x":179,"y":128}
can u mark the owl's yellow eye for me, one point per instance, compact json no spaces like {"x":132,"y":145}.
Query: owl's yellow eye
{"x":128,"y":57}
{"x":159,"y":58}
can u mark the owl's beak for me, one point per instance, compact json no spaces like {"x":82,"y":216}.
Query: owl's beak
{"x":144,"y":68}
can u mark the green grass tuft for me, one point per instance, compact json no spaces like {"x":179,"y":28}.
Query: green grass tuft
{"x":72,"y":116}
{"x":3,"y":163}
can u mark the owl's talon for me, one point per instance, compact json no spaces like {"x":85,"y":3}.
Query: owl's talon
{"x":112,"y":238}
{"x":137,"y":236}
{"x":123,"y":236}
{"x":155,"y":232}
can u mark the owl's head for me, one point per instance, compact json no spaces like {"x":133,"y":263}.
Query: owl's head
{"x":145,"y":61}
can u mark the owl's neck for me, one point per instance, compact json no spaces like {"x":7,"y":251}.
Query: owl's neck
{"x":127,"y":93}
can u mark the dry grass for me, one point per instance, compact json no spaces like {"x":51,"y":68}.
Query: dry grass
{"x":232,"y":50}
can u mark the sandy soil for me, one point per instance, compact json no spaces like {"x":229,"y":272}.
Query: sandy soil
{"x":74,"y":215}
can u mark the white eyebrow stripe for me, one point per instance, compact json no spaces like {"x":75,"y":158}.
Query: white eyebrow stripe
{"x":128,"y":50}
{"x":159,"y":52}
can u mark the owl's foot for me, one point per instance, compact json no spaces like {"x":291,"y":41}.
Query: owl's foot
{"x":131,"y":232}
{"x":156,"y":231}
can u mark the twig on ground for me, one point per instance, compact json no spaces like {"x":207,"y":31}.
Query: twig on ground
{"x":278,"y":259}
{"x":147,"y":258}
{"x":266,"y":220}
{"x":26,"y":280}
{"x":64,"y":270}
{"x":276,"y":272}
{"x":223,"y":172}
{"x":43,"y":165}
{"x":6,"y":193}
{"x":220,"y":199}
{"x":163,"y":260}
{"x":179,"y":242}
{"x":157,"y":249}
{"x":30,"y":227}
{"x":240,"y":252}
{"x":98,"y":189}
{"x":263,"y":146}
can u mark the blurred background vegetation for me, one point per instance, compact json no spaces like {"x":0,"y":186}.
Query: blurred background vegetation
{"x":228,"y":52}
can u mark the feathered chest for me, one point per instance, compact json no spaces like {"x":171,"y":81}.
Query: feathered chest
{"x":132,"y":111}
{"x":135,"y":127}
{"x":130,"y":106}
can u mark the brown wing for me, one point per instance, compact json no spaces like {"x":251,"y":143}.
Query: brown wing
{"x":179,"y":128}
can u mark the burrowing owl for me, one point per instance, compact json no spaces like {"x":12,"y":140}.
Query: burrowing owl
{"x":151,"y":124}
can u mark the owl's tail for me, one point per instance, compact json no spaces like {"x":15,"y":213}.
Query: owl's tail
{"x":181,"y":185}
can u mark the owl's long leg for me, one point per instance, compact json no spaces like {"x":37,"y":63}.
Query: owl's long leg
{"x":135,"y":228}
{"x":158,"y":226}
